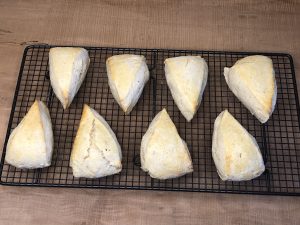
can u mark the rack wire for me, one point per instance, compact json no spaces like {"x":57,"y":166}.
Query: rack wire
{"x":279,"y":138}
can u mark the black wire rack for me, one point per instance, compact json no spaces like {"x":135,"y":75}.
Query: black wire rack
{"x":279,"y":138}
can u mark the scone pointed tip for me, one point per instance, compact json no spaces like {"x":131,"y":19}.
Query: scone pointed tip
{"x":126,"y":110}
{"x":226,"y":72}
{"x":84,"y":109}
{"x":189,"y":117}
{"x":225,"y":111}
{"x":85,"y":106}
{"x":65,"y":103}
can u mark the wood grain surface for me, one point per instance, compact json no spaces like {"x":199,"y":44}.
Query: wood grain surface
{"x":272,"y":26}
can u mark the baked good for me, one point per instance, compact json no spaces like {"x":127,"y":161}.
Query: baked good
{"x":235,"y":152}
{"x":30,"y":145}
{"x":68,"y":67}
{"x":127,"y":76}
{"x":164,"y":154}
{"x":186,"y":77}
{"x":96,"y":151}
{"x":252,"y":80}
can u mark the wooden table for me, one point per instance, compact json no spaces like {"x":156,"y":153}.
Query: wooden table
{"x":208,"y":25}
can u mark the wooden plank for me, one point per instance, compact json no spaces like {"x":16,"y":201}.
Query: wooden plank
{"x":212,"y":25}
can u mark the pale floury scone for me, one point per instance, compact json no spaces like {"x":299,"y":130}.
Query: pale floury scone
{"x":235,"y":151}
{"x":30,"y":145}
{"x":164,"y":154}
{"x":186,"y":77}
{"x":252,"y":80}
{"x":127,"y":76}
{"x":96,"y":151}
{"x":68,"y":67}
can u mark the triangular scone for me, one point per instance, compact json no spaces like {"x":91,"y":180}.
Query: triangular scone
{"x":68,"y":67}
{"x":252,"y":80}
{"x":163,"y":153}
{"x":235,"y":152}
{"x":96,"y":151}
{"x":30,"y":145}
{"x":186,"y":77}
{"x":127,"y":76}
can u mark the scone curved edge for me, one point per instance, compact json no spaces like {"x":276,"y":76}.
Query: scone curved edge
{"x":216,"y":147}
{"x":48,"y":131}
{"x":83,"y":66}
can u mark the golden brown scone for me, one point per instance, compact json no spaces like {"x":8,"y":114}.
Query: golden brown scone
{"x":252,"y":80}
{"x":186,"y":77}
{"x":68,"y":67}
{"x":164,"y":154}
{"x":235,"y":152}
{"x":30,"y":145}
{"x":127,"y":76}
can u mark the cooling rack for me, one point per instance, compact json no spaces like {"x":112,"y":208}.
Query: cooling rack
{"x":279,"y":138}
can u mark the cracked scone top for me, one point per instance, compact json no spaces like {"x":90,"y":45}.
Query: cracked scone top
{"x":96,"y":151}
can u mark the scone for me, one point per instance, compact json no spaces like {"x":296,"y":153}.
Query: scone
{"x":30,"y":145}
{"x":186,"y":77}
{"x":68,"y":67}
{"x":164,"y":154}
{"x":252,"y":80}
{"x":235,"y":152}
{"x":96,"y":151}
{"x":127,"y":76}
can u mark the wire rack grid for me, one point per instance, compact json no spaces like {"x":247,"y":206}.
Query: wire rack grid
{"x":279,"y":138}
